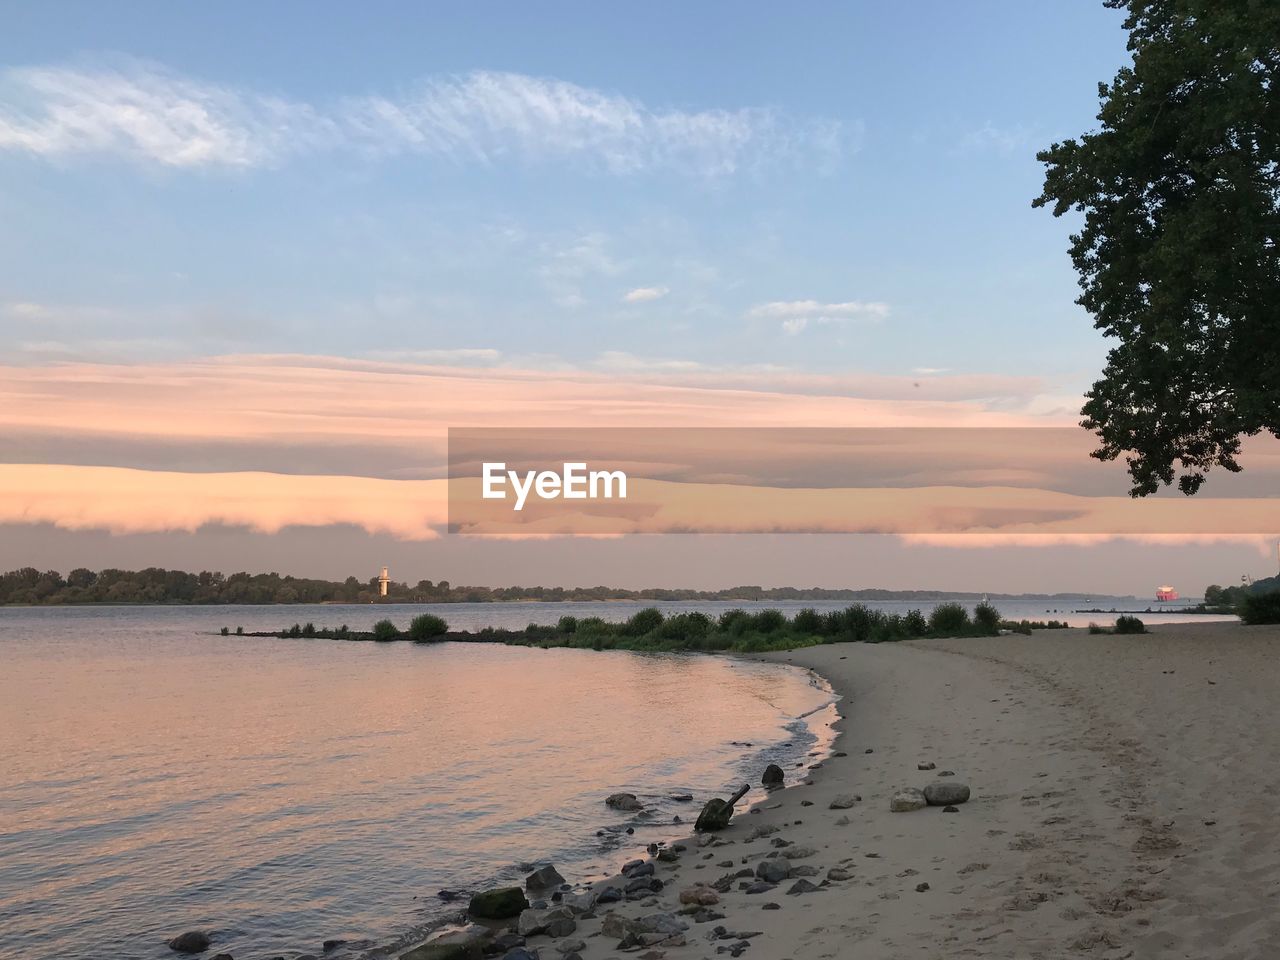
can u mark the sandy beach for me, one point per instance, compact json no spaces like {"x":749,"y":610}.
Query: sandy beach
{"x":1123,"y":806}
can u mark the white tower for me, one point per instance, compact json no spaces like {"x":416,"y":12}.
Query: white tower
{"x":382,"y":583}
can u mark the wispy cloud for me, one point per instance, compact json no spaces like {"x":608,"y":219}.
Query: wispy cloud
{"x":645,"y":294}
{"x":795,"y":316}
{"x":154,"y":116}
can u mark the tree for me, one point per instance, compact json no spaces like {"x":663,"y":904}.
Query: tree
{"x":1177,"y":255}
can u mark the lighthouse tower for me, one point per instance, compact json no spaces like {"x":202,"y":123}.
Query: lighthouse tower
{"x":382,"y":583}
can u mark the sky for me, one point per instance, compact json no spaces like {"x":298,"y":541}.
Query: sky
{"x":242,"y":241}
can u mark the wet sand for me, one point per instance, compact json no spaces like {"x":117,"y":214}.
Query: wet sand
{"x":1123,"y":806}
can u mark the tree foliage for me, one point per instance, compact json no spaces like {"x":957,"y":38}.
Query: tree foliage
{"x":1179,"y":188}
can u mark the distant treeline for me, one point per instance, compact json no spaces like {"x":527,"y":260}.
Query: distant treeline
{"x":1257,"y":602}
{"x":156,"y":585}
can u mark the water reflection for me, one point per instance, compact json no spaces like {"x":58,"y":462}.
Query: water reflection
{"x":158,"y":777}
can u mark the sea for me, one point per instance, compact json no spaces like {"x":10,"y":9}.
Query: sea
{"x":157,"y":777}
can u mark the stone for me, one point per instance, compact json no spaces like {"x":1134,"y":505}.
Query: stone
{"x":444,"y":951}
{"x":326,"y":946}
{"x":544,"y":878}
{"x":799,"y":853}
{"x":760,"y":886}
{"x":773,"y":776}
{"x":904,"y":801}
{"x":571,"y":946}
{"x":715,"y":815}
{"x":500,"y":903}
{"x":637,"y":868}
{"x":775,"y":870}
{"x":520,"y":953}
{"x":506,"y":941}
{"x":922,"y":887}
{"x":579,"y":903}
{"x":561,"y":927}
{"x":533,"y":922}
{"x":805,"y":870}
{"x":836,"y":874}
{"x":609,"y":895}
{"x":668,"y":856}
{"x":945,"y":794}
{"x":623,"y":801}
{"x":802,"y":886}
{"x":843,"y":822}
{"x":843,"y":802}
{"x":926,"y":765}
{"x":950,"y":809}
{"x":771,"y":906}
{"x":699,"y":895}
{"x":193,"y":941}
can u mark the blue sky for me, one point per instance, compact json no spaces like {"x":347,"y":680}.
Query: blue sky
{"x":843,"y":190}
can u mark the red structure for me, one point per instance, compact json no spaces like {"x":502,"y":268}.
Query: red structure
{"x":1166,"y":593}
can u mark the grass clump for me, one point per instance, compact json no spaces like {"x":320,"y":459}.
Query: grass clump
{"x":385,"y":630}
{"x":427,"y":626}
{"x":1128,"y":624}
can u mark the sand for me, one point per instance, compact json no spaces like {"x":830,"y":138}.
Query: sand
{"x":1124,"y":805}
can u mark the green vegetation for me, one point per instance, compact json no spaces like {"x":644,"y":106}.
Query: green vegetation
{"x":1124,"y":624}
{"x":382,"y":630}
{"x":736,"y":630}
{"x":426,"y":626}
{"x":1260,"y":607}
{"x":1026,"y":626}
{"x":1249,"y":601}
{"x":1177,"y":251}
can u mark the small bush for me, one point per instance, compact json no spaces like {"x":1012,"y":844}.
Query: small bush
{"x":309,"y":630}
{"x":1127,"y":624}
{"x":226,"y":632}
{"x":295,"y":630}
{"x":1095,"y":628}
{"x":735,"y":622}
{"x":986,"y":618}
{"x":1260,"y":607}
{"x":686,"y":627}
{"x":949,"y":619}
{"x":239,"y":631}
{"x":385,"y":630}
{"x":427,"y":626}
{"x":807,"y":621}
{"x":770,"y":621}
{"x":915,"y":623}
{"x":643,"y":622}
{"x":567,"y":624}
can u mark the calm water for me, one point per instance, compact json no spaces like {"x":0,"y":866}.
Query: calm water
{"x":157,"y":777}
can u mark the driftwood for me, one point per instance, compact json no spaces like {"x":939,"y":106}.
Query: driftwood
{"x":715,"y":815}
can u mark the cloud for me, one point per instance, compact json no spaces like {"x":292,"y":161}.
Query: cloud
{"x":795,"y":316}
{"x":143,"y":501}
{"x":153,"y":116}
{"x":645,"y":294}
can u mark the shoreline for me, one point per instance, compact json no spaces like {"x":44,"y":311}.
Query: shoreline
{"x":1091,"y":831}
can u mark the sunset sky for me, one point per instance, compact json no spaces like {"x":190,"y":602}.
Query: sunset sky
{"x":255,"y":261}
